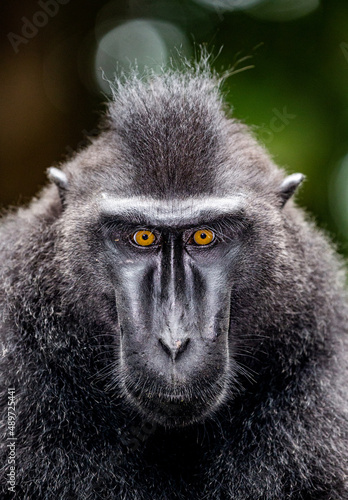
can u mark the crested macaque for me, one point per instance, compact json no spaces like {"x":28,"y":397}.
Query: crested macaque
{"x":172,"y":325}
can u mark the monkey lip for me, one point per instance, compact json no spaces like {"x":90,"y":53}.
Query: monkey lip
{"x":172,"y":403}
{"x":180,"y":398}
{"x":166,"y":397}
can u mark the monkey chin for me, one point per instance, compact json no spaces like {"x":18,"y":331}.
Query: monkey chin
{"x":179,"y":407}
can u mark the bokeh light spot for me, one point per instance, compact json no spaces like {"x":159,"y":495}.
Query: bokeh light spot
{"x":229,"y":4}
{"x":283,"y":10}
{"x":142,"y":43}
{"x":270,"y":10}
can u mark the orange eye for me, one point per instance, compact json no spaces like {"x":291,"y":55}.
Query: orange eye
{"x":144,"y":238}
{"x":203,"y":237}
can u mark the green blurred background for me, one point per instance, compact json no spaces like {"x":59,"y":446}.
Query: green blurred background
{"x":53,"y":55}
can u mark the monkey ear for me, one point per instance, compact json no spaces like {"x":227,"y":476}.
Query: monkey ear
{"x":61,"y":181}
{"x":289,"y":186}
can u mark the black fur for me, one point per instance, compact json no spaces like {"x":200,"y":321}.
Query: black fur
{"x":280,"y":431}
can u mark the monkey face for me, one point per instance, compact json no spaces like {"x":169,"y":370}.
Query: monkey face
{"x":171,"y":265}
{"x":161,"y":238}
{"x":182,"y":285}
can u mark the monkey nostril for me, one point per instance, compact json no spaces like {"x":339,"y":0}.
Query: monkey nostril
{"x":180,"y":346}
{"x":165,"y":347}
{"x":174,"y":349}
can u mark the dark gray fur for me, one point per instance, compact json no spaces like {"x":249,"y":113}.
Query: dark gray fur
{"x":282,"y":431}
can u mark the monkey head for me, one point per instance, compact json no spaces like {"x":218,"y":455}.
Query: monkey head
{"x":172,"y":236}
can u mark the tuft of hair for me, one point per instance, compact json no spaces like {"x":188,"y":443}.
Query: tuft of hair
{"x":177,"y":136}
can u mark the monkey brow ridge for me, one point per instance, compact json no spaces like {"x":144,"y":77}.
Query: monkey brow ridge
{"x":176,"y":211}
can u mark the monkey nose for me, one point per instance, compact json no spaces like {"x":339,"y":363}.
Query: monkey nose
{"x":174,"y":348}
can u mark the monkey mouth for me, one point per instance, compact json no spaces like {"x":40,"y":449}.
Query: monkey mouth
{"x":173,"y":411}
{"x":176,"y":407}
